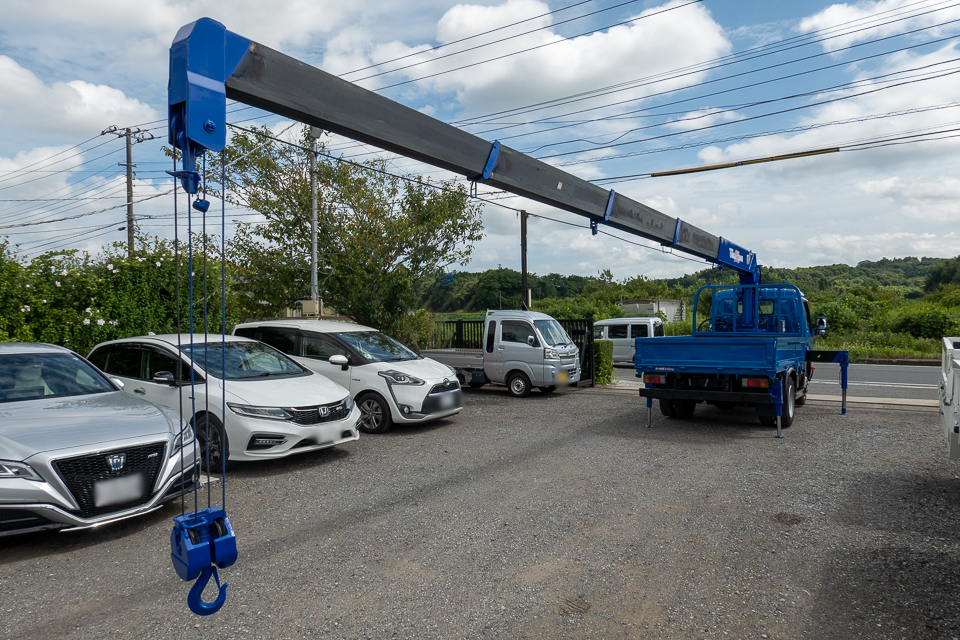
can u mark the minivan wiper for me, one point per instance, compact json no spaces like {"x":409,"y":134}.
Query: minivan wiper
{"x":263,"y":374}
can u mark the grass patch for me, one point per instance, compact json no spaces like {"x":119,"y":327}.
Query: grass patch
{"x":880,"y":344}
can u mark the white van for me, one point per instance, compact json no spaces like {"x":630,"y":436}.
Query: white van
{"x":623,"y":331}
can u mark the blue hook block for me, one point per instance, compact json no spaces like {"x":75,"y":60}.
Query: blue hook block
{"x":201,"y":205}
{"x":199,"y":543}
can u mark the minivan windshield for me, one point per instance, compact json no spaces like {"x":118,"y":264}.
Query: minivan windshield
{"x":376,"y":346}
{"x":553,"y":334}
{"x":28,"y":376}
{"x":243,"y":360}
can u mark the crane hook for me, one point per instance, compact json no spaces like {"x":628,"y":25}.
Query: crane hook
{"x":196,"y":603}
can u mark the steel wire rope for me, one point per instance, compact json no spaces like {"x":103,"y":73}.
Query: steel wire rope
{"x":44,"y":177}
{"x":90,"y":213}
{"x":76,"y":146}
{"x":41,"y":210}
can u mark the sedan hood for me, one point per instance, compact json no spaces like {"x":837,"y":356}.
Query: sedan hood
{"x":28,"y":427}
{"x":424,"y":368}
{"x":297,"y":391}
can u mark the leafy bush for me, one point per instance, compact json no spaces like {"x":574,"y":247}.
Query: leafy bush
{"x":580,"y":307}
{"x":602,"y":361}
{"x":928,"y":322}
{"x":880,"y":344}
{"x":416,"y":329}
{"x":851,"y":312}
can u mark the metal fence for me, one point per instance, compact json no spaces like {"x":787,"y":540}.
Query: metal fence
{"x":468,"y":334}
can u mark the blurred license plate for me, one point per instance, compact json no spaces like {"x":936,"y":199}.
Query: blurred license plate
{"x":118,"y":490}
{"x":562,"y":377}
{"x":446,"y":401}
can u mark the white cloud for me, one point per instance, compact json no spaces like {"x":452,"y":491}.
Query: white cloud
{"x":73,"y":108}
{"x":934,"y":200}
{"x":872,"y":20}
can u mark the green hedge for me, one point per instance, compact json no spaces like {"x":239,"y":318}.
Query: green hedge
{"x":602,"y":361}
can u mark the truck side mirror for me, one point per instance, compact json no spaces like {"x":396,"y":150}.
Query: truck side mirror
{"x":531,"y":340}
{"x":340,"y":360}
{"x":821,"y":329}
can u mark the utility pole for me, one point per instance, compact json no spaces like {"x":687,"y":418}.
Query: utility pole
{"x":129,"y":167}
{"x":523,"y":261}
{"x":316,"y":306}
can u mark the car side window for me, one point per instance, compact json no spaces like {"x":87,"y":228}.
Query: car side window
{"x":156,"y":360}
{"x":246,"y":332}
{"x":491,"y":332}
{"x":124,"y":360}
{"x":517,"y":332}
{"x":617,"y":331}
{"x":597,"y":333}
{"x":639,"y":331}
{"x":98,"y":358}
{"x":321,"y":348}
{"x":658,"y":331}
{"x":282,"y":341}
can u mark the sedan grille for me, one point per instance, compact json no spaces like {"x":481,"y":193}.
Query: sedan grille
{"x":81,"y":472}
{"x":314,"y":415}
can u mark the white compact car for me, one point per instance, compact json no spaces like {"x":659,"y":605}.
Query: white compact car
{"x":274,"y":406}
{"x":390,"y":383}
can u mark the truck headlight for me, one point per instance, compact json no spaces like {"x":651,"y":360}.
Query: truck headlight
{"x":268,"y":413}
{"x":398,"y":377}
{"x":10,"y":470}
{"x":551,"y":354}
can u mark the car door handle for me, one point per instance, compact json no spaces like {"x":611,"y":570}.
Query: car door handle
{"x":140,"y":390}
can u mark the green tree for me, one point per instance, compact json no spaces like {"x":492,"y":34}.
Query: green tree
{"x":379,"y":236}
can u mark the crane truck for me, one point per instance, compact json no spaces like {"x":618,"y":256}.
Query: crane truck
{"x":209,"y":64}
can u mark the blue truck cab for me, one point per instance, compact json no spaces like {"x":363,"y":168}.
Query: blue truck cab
{"x":751,"y":349}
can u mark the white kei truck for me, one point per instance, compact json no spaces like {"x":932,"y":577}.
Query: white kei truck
{"x":950,"y":395}
{"x":521,"y":349}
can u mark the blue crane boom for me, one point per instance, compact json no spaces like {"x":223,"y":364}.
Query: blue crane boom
{"x":209,"y":64}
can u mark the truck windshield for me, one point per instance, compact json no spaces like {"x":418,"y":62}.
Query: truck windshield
{"x":377,"y":346}
{"x":553,"y":334}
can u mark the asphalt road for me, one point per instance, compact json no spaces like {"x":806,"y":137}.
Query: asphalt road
{"x":555,"y":516}
{"x":863,"y":381}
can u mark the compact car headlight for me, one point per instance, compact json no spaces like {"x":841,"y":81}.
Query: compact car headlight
{"x":268,"y":413}
{"x":398,"y":377}
{"x":10,"y":470}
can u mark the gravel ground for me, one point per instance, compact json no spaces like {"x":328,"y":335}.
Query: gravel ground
{"x":550,"y":517}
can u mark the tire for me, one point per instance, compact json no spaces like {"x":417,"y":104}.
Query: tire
{"x":548,"y":389}
{"x":768,"y":421}
{"x":375,"y":414}
{"x":802,"y":400}
{"x":211,"y":435}
{"x":684,"y":408}
{"x":666,"y":408}
{"x":518,"y":385}
{"x":789,"y":402}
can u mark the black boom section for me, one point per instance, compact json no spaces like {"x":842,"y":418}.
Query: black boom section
{"x":276,"y":82}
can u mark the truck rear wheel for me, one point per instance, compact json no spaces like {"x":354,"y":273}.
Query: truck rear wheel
{"x":666,"y":407}
{"x":789,"y":402}
{"x":518,"y":385}
{"x":684,"y":408}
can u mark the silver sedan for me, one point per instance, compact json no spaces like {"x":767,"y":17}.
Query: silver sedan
{"x":75,"y":451}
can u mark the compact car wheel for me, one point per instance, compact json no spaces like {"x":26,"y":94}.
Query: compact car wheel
{"x":519,"y":385}
{"x":374,"y":414}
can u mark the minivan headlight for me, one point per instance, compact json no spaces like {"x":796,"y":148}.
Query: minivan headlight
{"x":398,"y":377}
{"x":348,"y":403}
{"x":267,"y":413}
{"x":10,"y":470}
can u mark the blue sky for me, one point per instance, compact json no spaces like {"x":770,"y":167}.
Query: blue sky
{"x":876,"y":78}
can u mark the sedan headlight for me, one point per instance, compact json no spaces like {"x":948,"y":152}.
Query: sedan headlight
{"x":267,"y":413}
{"x":184,"y":438}
{"x":398,"y":377}
{"x":551,"y":354}
{"x":10,"y":470}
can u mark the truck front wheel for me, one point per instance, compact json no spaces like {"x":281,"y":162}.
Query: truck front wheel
{"x":518,"y":385}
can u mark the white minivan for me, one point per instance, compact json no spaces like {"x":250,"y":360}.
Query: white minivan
{"x":389,"y":382}
{"x":622,"y":332}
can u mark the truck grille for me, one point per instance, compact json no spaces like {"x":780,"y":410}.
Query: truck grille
{"x":449,"y":385}
{"x":312,"y":415}
{"x":81,"y":472}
